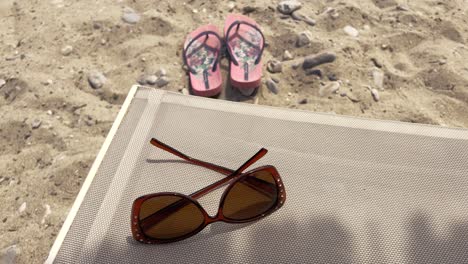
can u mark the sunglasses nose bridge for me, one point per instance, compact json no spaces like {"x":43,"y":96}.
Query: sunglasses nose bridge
{"x":213,"y":219}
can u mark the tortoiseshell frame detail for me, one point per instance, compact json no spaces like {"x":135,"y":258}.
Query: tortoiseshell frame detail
{"x":233,"y":177}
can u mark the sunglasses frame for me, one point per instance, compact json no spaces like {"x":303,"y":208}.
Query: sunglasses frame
{"x":232,"y":178}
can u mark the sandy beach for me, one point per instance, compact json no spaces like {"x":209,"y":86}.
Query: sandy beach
{"x":396,"y":60}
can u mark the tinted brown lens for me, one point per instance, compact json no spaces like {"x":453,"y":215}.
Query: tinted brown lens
{"x":251,"y":196}
{"x":168,"y":217}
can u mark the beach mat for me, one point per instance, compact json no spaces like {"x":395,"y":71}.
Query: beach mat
{"x":359,"y":190}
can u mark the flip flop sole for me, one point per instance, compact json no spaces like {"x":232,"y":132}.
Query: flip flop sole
{"x":205,"y":82}
{"x":247,"y":74}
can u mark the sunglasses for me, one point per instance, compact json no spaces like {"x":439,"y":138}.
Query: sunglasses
{"x":168,"y":216}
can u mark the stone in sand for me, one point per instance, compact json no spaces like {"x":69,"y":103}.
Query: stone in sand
{"x":316,"y":72}
{"x":303,"y":101}
{"x":297,"y":16}
{"x":161,"y":72}
{"x":329,"y":89}
{"x":2,"y":82}
{"x":96,"y":79}
{"x":46,"y":214}
{"x":287,"y":55}
{"x":130,"y":16}
{"x":274,"y":66}
{"x":185,"y":91}
{"x":248,"y":9}
{"x":315,"y":60}
{"x":402,"y":7}
{"x":22,"y":208}
{"x":375,"y":94}
{"x":36,"y":123}
{"x":231,"y":5}
{"x":272,"y":86}
{"x":288,"y":6}
{"x":67,"y":50}
{"x":378,"y":77}
{"x":309,"y":21}
{"x":141,"y":79}
{"x":332,"y":77}
{"x":303,"y":39}
{"x":47,"y":82}
{"x":162,"y":81}
{"x":151,"y":79}
{"x":351,"y":31}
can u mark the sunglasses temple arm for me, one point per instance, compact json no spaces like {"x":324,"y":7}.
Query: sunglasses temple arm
{"x":181,"y":155}
{"x":223,"y":181}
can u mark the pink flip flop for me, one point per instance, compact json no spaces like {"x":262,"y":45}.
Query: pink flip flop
{"x":245,"y":43}
{"x":202,"y":51}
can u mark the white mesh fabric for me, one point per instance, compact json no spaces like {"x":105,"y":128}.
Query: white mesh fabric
{"x":359,"y":191}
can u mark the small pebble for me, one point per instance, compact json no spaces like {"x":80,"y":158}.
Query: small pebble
{"x":351,"y":31}
{"x":96,"y":25}
{"x":49,"y":112}
{"x":130,"y":16}
{"x":375,"y":94}
{"x":329,"y":89}
{"x":276,"y":80}
{"x":296,"y":65}
{"x":67,"y":50}
{"x":316,"y":72}
{"x":46,"y":214}
{"x":354,"y":100}
{"x":185,"y":91}
{"x":151,"y":79}
{"x":48,"y":82}
{"x":141,"y":79}
{"x":343,"y":94}
{"x":248,"y":9}
{"x":22,"y":208}
{"x":442,"y":61}
{"x":315,"y":60}
{"x":376,"y":62}
{"x":231,"y":5}
{"x":378,"y":77}
{"x":332,"y":12}
{"x":161,"y":72}
{"x":335,"y":15}
{"x":288,"y":6}
{"x":36,"y":124}
{"x":2,"y":83}
{"x":272,"y":86}
{"x":162,"y":81}
{"x":297,"y":16}
{"x":287,"y":55}
{"x":96,"y":79}
{"x":274,"y":66}
{"x":309,"y":21}
{"x":303,"y":39}
{"x":303,"y":101}
{"x":402,"y":7}
{"x":332,"y":77}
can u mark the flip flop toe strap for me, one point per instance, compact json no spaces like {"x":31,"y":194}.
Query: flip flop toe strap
{"x":203,"y":34}
{"x":229,"y":48}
